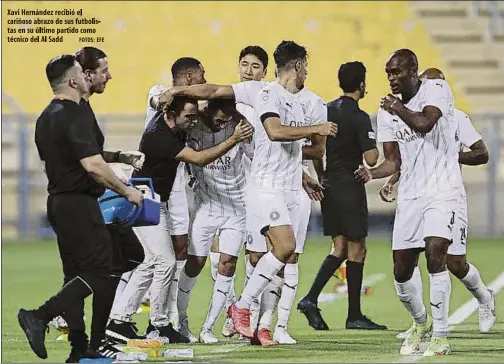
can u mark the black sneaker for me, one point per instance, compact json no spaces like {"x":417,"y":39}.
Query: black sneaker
{"x":150,"y":328}
{"x":173,"y":335}
{"x":76,"y":356}
{"x":35,"y":331}
{"x":108,"y":350}
{"x":312,"y":313}
{"x":122,"y":331}
{"x":363,"y":323}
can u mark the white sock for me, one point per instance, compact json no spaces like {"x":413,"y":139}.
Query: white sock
{"x":231,"y":298}
{"x":185,"y":287}
{"x":214,"y":264}
{"x":289,"y":289}
{"x":269,"y":302}
{"x":221,"y":290}
{"x":417,"y":281}
{"x":263,"y":274}
{"x":249,"y":269}
{"x":476,"y":286}
{"x":172,"y":306}
{"x":411,"y":298}
{"x":440,"y":289}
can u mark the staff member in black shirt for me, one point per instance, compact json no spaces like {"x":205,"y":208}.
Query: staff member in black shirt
{"x":163,"y":144}
{"x":344,"y":208}
{"x":68,"y":142}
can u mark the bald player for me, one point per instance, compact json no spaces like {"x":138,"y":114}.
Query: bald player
{"x":468,"y":138}
{"x":418,"y":135}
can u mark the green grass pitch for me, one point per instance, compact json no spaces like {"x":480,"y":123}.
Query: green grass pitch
{"x":31,"y":272}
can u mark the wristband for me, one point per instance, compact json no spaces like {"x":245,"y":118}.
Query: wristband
{"x":117,"y":156}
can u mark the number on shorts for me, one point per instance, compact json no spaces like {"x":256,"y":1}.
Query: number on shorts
{"x":452,"y":220}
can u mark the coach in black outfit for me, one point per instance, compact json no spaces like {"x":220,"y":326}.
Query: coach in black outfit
{"x":344,"y":208}
{"x":70,"y":144}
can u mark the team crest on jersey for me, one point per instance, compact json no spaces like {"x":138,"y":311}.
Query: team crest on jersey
{"x":274,"y":215}
{"x":265,"y":95}
{"x":249,"y":239}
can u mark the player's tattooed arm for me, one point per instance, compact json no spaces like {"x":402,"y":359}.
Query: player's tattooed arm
{"x":316,"y":150}
{"x":477,"y":155}
{"x":421,"y":122}
{"x":203,"y":157}
{"x":390,"y":165}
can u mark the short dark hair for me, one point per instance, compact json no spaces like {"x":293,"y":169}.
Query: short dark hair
{"x":287,"y":53}
{"x":184,"y":64}
{"x":58,"y":67}
{"x":351,"y":75}
{"x":227,"y":106}
{"x":257,"y":51}
{"x":179,"y":102}
{"x":88,"y":57}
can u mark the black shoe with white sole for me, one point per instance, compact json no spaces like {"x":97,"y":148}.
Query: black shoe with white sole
{"x":122,"y":331}
{"x":173,"y":335}
{"x":107,"y":349}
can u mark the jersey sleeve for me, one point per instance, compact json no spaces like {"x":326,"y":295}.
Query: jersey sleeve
{"x":365,"y":133}
{"x":438,"y":94}
{"x":80,"y":134}
{"x":267,"y":104}
{"x":467,"y":133}
{"x":155,"y":91}
{"x":384,"y":126}
{"x":319,"y":114}
{"x":246,"y":92}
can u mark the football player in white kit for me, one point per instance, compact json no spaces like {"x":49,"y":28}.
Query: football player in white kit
{"x":219,"y":210}
{"x":418,"y":136}
{"x":252,"y":66}
{"x":275,"y":184}
{"x":456,"y":261}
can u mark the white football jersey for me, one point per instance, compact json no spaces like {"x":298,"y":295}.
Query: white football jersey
{"x":157,"y":90}
{"x":248,"y":112}
{"x":315,"y":112}
{"x":276,"y":164}
{"x":429,"y":161}
{"x":466,"y":135}
{"x":220,"y":187}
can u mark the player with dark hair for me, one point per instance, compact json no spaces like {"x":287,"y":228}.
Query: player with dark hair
{"x":418,"y":135}
{"x":456,"y":261}
{"x":70,"y":143}
{"x":344,"y":207}
{"x":252,"y":66}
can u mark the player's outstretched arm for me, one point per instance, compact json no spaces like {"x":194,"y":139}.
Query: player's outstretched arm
{"x":477,"y":155}
{"x":205,"y":91}
{"x":281,"y":133}
{"x":390,"y":165}
{"x":243,"y":131}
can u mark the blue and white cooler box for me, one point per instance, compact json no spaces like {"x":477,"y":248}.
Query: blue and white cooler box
{"x":116,"y":209}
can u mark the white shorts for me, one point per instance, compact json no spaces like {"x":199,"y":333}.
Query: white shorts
{"x":269,"y":208}
{"x":304,"y":220}
{"x":178,"y":218}
{"x":459,"y":244}
{"x":204,"y":228}
{"x":423,"y":217}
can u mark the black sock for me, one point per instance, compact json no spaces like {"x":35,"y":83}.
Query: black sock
{"x":354,"y":273}
{"x":327,"y":269}
{"x":103,"y":300}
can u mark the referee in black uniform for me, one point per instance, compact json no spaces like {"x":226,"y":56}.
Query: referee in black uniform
{"x":68,"y":143}
{"x":344,"y":208}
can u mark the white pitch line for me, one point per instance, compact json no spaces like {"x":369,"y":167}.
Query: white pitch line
{"x":459,"y":316}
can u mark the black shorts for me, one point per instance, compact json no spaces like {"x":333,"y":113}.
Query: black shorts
{"x":344,"y":209}
{"x":127,"y":253}
{"x":83,"y":239}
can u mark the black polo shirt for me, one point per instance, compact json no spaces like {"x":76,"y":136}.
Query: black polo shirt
{"x":355,"y":136}
{"x":160,"y":145}
{"x":65,"y":133}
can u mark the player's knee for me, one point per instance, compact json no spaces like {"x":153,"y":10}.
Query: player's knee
{"x":194,"y":265}
{"x":402,"y":273}
{"x":435,"y":254}
{"x":255,"y":257}
{"x":340,"y":247}
{"x":457,"y":265}
{"x":227,"y":265}
{"x":357,"y":251}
